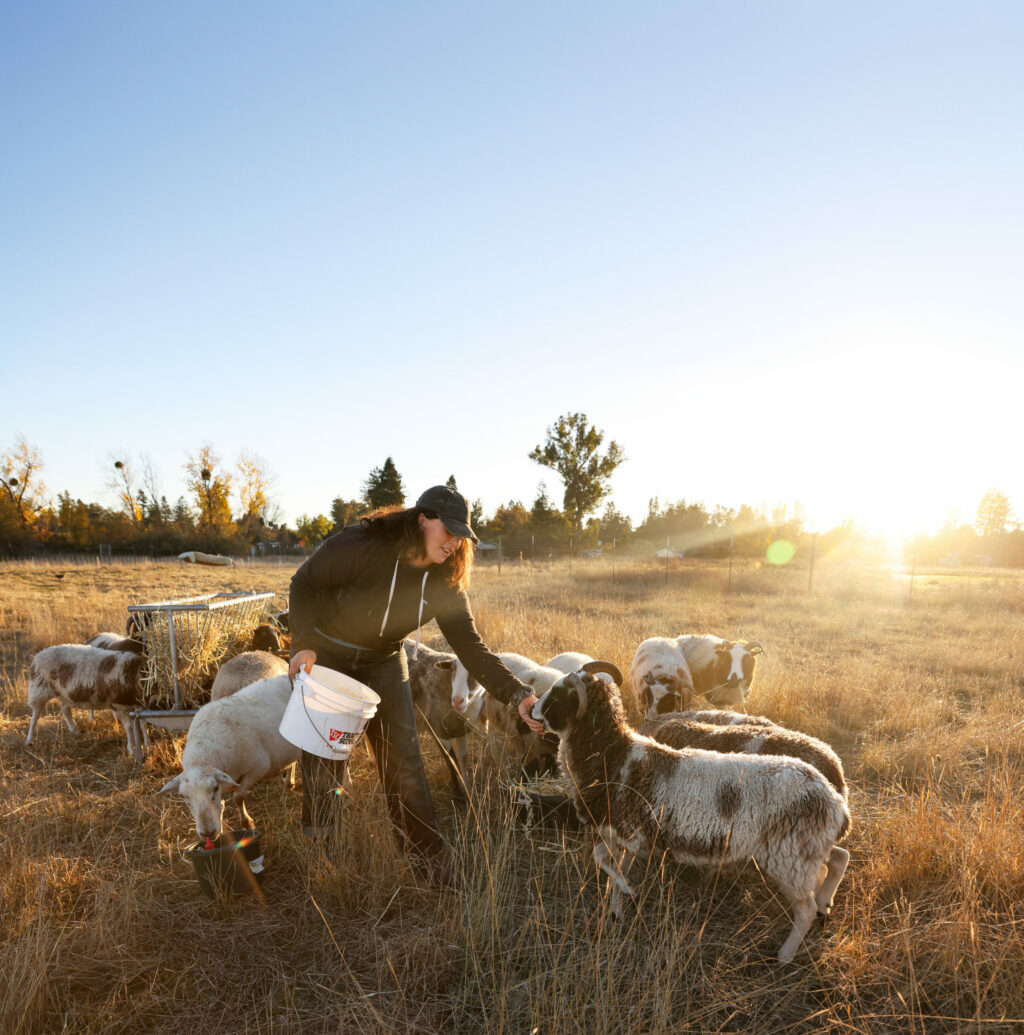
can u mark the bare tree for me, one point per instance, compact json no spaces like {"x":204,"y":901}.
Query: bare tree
{"x":121,"y":481}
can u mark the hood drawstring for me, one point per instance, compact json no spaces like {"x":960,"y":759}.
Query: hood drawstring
{"x":419,"y":617}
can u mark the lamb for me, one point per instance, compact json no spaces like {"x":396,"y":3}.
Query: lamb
{"x":706,"y":809}
{"x":232,"y":744}
{"x":84,"y":677}
{"x":747,"y":738}
{"x":430,"y":678}
{"x":243,"y":669}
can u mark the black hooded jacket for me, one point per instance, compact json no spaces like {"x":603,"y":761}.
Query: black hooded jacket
{"x":341,"y":592}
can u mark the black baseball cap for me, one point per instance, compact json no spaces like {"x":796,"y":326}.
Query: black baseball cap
{"x":451,"y":507}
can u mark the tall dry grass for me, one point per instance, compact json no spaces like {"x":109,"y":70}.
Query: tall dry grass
{"x":104,"y":928}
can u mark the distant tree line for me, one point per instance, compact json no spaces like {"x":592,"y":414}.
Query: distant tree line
{"x":144,"y":521}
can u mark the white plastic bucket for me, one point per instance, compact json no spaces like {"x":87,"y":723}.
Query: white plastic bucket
{"x":327,"y":712}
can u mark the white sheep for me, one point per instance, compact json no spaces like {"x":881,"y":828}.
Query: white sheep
{"x":705,"y":809}
{"x":232,"y":744}
{"x":573,"y":661}
{"x":243,"y":669}
{"x":81,"y":676}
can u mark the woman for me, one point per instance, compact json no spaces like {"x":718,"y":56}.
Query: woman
{"x":351,"y":604}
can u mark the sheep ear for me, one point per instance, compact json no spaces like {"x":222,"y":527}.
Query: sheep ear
{"x":224,"y":780}
{"x":597,"y":667}
{"x":755,"y":646}
{"x":171,"y":785}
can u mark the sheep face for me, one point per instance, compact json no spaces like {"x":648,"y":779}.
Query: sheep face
{"x":563,"y":704}
{"x":734,"y":665}
{"x":465,"y":689}
{"x":664,"y":691}
{"x":203,"y":792}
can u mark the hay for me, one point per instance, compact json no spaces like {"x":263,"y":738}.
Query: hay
{"x":204,"y":640}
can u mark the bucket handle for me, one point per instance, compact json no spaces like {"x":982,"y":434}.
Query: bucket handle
{"x":300,"y":680}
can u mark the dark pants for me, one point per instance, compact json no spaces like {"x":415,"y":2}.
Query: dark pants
{"x":392,"y":737}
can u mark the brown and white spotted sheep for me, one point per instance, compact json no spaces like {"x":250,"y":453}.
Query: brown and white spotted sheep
{"x":706,"y":809}
{"x":722,"y":670}
{"x":660,"y":677}
{"x":115,"y":641}
{"x":749,"y":739}
{"x":84,"y":677}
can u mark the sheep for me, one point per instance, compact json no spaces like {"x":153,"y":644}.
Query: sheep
{"x":667,"y":673}
{"x":430,"y":678}
{"x":573,"y":661}
{"x":243,"y":669}
{"x":232,"y":744}
{"x":271,"y":637}
{"x":115,"y":641}
{"x":748,"y":738}
{"x":660,"y":677}
{"x":84,"y":677}
{"x":722,"y":670}
{"x":715,"y":717}
{"x":706,"y":809}
{"x":535,"y":754}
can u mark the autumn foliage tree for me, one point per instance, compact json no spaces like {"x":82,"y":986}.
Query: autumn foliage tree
{"x":20,"y":467}
{"x":211,"y":487}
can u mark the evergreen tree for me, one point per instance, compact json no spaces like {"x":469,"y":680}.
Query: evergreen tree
{"x":383,"y":487}
{"x":451,"y":483}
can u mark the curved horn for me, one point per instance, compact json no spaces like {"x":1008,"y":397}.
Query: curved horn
{"x":755,"y":647}
{"x":596,"y":667}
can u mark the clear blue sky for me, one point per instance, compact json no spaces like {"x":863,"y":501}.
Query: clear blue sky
{"x":775,"y":250}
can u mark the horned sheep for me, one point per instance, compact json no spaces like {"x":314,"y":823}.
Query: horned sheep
{"x":232,"y":744}
{"x":81,"y":676}
{"x":705,"y":808}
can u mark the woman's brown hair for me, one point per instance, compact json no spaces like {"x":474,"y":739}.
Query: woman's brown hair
{"x":402,"y":527}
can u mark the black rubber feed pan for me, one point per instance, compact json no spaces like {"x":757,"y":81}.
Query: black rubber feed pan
{"x":233,"y":866}
{"x":536,"y":808}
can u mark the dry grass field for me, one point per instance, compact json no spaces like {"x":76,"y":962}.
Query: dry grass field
{"x":104,"y":929}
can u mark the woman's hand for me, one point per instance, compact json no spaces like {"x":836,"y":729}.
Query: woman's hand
{"x":524,"y":713}
{"x":303,"y":659}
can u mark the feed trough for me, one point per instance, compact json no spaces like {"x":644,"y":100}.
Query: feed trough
{"x":185,"y":641}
